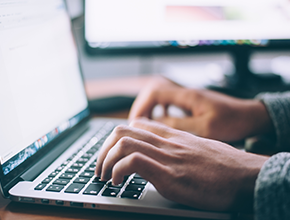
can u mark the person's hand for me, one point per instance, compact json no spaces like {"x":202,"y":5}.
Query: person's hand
{"x":190,"y":170}
{"x":210,"y":114}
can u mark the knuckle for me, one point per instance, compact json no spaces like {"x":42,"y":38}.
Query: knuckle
{"x":138,"y":122}
{"x":135,"y":123}
{"x":124,"y":143}
{"x":135,"y":159}
{"x":120,"y":130}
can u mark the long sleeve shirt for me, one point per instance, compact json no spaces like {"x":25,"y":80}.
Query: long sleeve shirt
{"x":272,"y":189}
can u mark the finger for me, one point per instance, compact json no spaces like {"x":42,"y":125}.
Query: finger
{"x":146,"y":101}
{"x":125,"y":131}
{"x":147,"y":167}
{"x":155,"y":127}
{"x":125,"y":147}
{"x":143,"y":105}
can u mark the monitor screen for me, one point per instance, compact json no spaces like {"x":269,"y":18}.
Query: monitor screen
{"x":130,"y":23}
{"x":41,"y":89}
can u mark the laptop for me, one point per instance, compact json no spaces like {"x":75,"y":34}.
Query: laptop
{"x":48,"y":142}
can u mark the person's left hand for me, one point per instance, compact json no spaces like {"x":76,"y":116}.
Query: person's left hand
{"x":190,"y":170}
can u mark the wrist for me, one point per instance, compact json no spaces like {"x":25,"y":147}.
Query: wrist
{"x":252,"y":165}
{"x":259,"y":118}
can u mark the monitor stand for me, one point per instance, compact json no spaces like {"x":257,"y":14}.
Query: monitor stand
{"x":246,"y":84}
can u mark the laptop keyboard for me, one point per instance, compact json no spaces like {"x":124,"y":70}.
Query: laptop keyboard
{"x":76,"y":174}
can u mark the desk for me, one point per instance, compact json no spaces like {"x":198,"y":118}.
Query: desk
{"x":20,"y":211}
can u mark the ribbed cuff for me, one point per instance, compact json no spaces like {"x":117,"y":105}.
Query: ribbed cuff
{"x":278,"y":106}
{"x":272,"y":189}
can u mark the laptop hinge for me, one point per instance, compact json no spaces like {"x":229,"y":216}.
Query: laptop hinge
{"x":4,"y":191}
{"x":43,"y":163}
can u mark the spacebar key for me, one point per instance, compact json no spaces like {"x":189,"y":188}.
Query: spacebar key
{"x":93,"y":189}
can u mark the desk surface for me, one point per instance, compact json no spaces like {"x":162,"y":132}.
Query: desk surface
{"x":20,"y":211}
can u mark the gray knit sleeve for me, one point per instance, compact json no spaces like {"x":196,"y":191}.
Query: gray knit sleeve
{"x":272,"y":189}
{"x":278,"y":106}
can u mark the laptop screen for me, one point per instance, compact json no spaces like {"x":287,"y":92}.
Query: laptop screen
{"x":41,"y":89}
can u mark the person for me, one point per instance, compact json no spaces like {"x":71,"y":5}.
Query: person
{"x":190,"y":153}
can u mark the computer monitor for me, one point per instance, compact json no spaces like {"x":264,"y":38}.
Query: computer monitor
{"x":172,"y":26}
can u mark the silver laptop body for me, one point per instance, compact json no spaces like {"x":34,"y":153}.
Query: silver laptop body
{"x":48,"y":143}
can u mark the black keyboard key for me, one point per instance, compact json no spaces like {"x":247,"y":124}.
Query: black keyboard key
{"x":125,"y":178}
{"x":93,"y":164}
{"x":82,"y":160}
{"x":92,"y":151}
{"x":72,"y":157}
{"x":53,"y":174}
{"x":72,"y":170}
{"x":130,"y":195}
{"x":81,"y":180}
{"x":110,"y":185}
{"x":90,"y":169}
{"x":67,"y":175}
{"x":65,"y":163}
{"x":60,"y":168}
{"x":87,"y":155}
{"x":87,"y":174}
{"x":138,"y":182}
{"x":98,"y":180}
{"x":47,"y":180}
{"x":112,"y":192}
{"x":77,"y":165}
{"x":97,"y":146}
{"x":74,"y":188}
{"x":137,"y":176}
{"x":54,"y":188}
{"x":61,"y":182}
{"x":40,"y":186}
{"x":135,"y":188}
{"x":93,"y":189}
{"x":102,"y":140}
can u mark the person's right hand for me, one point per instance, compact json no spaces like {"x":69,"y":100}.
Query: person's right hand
{"x":210,"y":114}
{"x":187,"y":169}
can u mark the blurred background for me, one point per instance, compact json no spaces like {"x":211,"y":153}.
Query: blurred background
{"x":209,"y":54}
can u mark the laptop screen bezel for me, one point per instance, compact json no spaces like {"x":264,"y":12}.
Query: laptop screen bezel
{"x":13,"y":177}
{"x":9,"y":180}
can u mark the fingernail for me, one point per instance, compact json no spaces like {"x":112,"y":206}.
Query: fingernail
{"x":104,"y":177}
{"x":115,"y":183}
